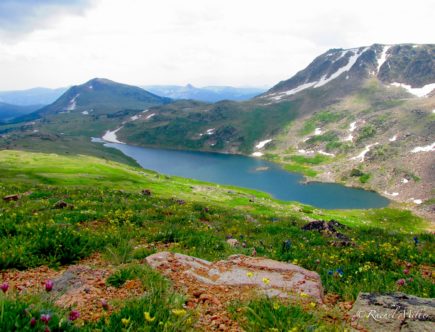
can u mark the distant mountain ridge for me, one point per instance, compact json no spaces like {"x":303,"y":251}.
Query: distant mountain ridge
{"x":102,"y":96}
{"x":10,"y":112}
{"x":209,"y":94}
{"x":34,"y":96}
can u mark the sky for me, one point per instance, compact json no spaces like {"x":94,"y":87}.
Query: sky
{"x":57,"y":43}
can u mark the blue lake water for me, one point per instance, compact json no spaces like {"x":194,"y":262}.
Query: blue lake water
{"x":243,"y":171}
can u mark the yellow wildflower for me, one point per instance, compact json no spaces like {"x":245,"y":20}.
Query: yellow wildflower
{"x":148,"y":317}
{"x":273,"y":329}
{"x":302,"y":294}
{"x":179,"y":312}
{"x":266,"y":281}
{"x":313,"y":304}
{"x":276,"y":306}
{"x":125,"y":321}
{"x":249,"y":274}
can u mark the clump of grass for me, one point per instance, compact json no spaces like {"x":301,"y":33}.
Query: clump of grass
{"x":363,"y":177}
{"x":266,"y":314}
{"x":160,"y":309}
{"x":120,"y":276}
{"x":366,"y":132}
{"x":120,"y":252}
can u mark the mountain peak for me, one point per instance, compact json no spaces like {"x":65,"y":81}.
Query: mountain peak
{"x":411,"y":65}
{"x":103,"y":96}
{"x":101,"y":81}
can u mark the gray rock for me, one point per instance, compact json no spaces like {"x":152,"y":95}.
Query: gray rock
{"x":393,"y":312}
{"x":269,"y":277}
{"x":233,"y":242}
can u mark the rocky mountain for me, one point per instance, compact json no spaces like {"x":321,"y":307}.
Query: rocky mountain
{"x":210,"y":94}
{"x":366,"y":118}
{"x":409,"y":66}
{"x":103,"y":96}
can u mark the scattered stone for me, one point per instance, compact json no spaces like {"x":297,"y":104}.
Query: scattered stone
{"x":146,"y":192}
{"x":233,"y":242}
{"x":62,"y":205}
{"x":262,"y":275}
{"x":249,"y":218}
{"x":10,"y":198}
{"x":180,"y":201}
{"x":393,"y":312}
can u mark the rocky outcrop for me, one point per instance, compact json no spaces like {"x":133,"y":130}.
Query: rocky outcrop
{"x":261,"y":275}
{"x":393,"y":312}
{"x":329,"y":229}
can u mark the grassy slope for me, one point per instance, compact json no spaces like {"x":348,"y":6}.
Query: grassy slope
{"x":109,"y":211}
{"x":81,"y":170}
{"x":238,"y":126}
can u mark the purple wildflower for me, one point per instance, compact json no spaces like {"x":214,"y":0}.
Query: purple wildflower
{"x":4,"y":287}
{"x":73,"y":315}
{"x":49,"y":285}
{"x":45,"y":318}
{"x":400,"y":282}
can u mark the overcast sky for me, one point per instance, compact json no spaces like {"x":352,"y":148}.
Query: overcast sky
{"x":54,"y":43}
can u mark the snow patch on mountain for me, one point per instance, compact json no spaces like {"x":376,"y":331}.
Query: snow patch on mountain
{"x":363,"y":153}
{"x":263,"y":143}
{"x":110,"y":136}
{"x":326,"y":153}
{"x":427,"y":148}
{"x":383,"y":56}
{"x":302,"y":151}
{"x":325,"y":78}
{"x":292,"y":91}
{"x":419,"y":92}
{"x":257,"y":154}
{"x":72,"y":103}
{"x":352,"y":126}
{"x":352,"y":60}
{"x":150,"y":116}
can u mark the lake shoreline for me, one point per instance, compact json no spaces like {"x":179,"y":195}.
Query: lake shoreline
{"x":276,"y":181}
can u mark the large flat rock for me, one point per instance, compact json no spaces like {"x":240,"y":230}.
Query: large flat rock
{"x":266,"y":276}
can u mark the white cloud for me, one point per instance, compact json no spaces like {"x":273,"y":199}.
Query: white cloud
{"x":202,"y":42}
